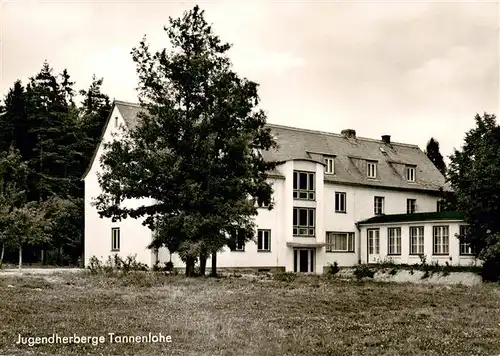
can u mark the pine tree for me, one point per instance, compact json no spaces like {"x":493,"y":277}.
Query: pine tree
{"x":197,"y":151}
{"x":432,"y":151}
{"x":95,"y":110}
{"x":13,"y":122}
{"x":47,"y":114}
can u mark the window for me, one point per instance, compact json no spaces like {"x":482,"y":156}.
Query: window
{"x":115,"y":239}
{"x":116,"y":121}
{"x":440,"y":240}
{"x":238,"y":237}
{"x":411,"y":206}
{"x":303,"y":221}
{"x":440,"y":206}
{"x":340,"y":242}
{"x":371,"y":169}
{"x":416,"y":240}
{"x":373,"y":241}
{"x":340,"y":202}
{"x":261,"y":205}
{"x":303,"y":185}
{"x":263,"y":240}
{"x":410,"y":174}
{"x":378,"y":205}
{"x":394,"y":234}
{"x":465,"y":248}
{"x":329,"y":165}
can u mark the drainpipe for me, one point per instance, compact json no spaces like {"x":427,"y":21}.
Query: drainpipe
{"x":359,"y":243}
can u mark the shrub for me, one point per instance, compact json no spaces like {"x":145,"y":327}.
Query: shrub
{"x":285,"y":276}
{"x":333,"y":269}
{"x":362,"y":271}
{"x":116,"y":263}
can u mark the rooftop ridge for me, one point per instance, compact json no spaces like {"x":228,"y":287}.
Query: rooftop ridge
{"x":127,"y":103}
{"x":336,"y":134}
{"x":318,"y":132}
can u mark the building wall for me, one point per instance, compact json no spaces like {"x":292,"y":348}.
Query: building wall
{"x":360,"y":206}
{"x":250,"y":257}
{"x":453,"y":258}
{"x":134,"y":237}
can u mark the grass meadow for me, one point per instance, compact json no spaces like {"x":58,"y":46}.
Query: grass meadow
{"x":247,"y":316}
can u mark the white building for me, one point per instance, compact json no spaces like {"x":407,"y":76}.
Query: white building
{"x":337,"y":199}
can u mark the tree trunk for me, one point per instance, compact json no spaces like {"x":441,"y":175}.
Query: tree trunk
{"x":20,"y":257}
{"x":2,"y":254}
{"x":214,"y":265}
{"x":203,"y":263}
{"x":189,"y":266}
{"x":42,"y":257}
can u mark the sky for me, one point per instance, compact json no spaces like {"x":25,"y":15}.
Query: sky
{"x":412,"y":70}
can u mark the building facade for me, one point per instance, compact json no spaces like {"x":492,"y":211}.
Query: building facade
{"x":326,"y":191}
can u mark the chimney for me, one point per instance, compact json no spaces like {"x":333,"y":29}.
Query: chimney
{"x":349,"y":133}
{"x":386,"y":138}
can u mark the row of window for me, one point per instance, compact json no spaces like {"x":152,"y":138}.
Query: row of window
{"x":263,"y":241}
{"x":378,"y":204}
{"x":344,"y":241}
{"x":371,"y":169}
{"x":440,"y":241}
{"x":304,"y":186}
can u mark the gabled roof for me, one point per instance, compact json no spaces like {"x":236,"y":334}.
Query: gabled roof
{"x":415,"y":217}
{"x":296,"y":143}
{"x":307,"y":144}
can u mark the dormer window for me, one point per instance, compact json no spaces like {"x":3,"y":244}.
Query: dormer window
{"x":410,"y":174}
{"x":371,"y":168}
{"x":329,"y":165}
{"x":116,"y":121}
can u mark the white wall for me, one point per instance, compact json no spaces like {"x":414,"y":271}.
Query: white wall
{"x":134,"y":237}
{"x":360,"y":206}
{"x":453,"y":258}
{"x":271,"y":220}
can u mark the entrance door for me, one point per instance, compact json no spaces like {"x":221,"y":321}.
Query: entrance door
{"x":373,"y":245}
{"x":303,"y":260}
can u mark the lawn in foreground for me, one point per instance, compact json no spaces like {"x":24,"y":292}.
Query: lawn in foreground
{"x":231,"y":316}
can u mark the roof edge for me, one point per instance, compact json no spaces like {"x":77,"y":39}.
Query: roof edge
{"x":414,"y":218}
{"x":99,"y":141}
{"x":336,"y":135}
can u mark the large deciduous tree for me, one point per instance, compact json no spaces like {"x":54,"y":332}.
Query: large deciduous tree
{"x":474,"y":173}
{"x":197,"y":151}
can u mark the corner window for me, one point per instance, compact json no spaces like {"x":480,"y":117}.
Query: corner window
{"x":340,"y":202}
{"x":115,"y":239}
{"x":410,"y":173}
{"x":371,"y":169}
{"x":329,"y":165}
{"x":304,"y":221}
{"x":263,"y":240}
{"x":116,"y":121}
{"x":465,"y":248}
{"x":303,"y":185}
